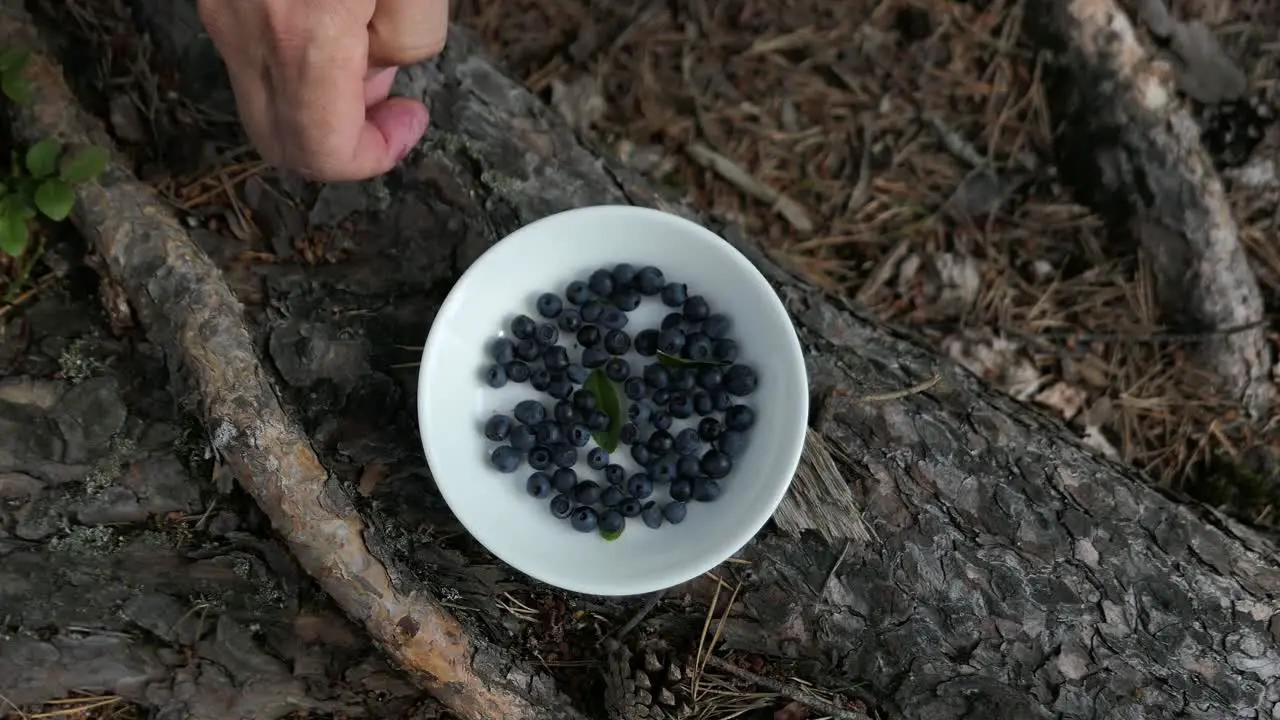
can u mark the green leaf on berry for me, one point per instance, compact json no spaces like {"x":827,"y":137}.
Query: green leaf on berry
{"x":609,"y":402}
{"x":672,"y":361}
{"x":611,"y":536}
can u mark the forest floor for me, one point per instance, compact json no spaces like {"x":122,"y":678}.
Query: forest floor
{"x":897,"y":151}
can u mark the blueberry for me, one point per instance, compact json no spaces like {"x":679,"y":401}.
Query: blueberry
{"x":576,"y":292}
{"x":591,"y":311}
{"x":674,"y":512}
{"x":681,"y":489}
{"x":660,"y":442}
{"x":594,"y":357}
{"x":583,"y":519}
{"x":617,"y":369}
{"x":640,"y":486}
{"x":715,"y":464}
{"x":502,"y":351}
{"x":634,"y":388}
{"x":652,"y":516}
{"x":641,"y":455}
{"x":661,"y":397}
{"x":522,"y":327}
{"x":569,"y":321}
{"x":540,"y":379}
{"x":564,"y":479}
{"x":674,"y":294}
{"x":708,"y":378}
{"x":548,"y":433}
{"x":702,"y":403}
{"x":639,"y":412}
{"x":597,"y":458}
{"x":576,"y":373}
{"x":601,"y":283}
{"x":563,"y":412}
{"x":561,"y":506}
{"x":688,"y":468}
{"x":697,"y":347}
{"x":505,"y":458}
{"x":530,"y":412}
{"x":566,"y":455}
{"x":587,"y":492}
{"x":584,"y":400}
{"x":624,"y":274}
{"x":538,"y":485}
{"x":539,"y":457}
{"x":547,"y":335}
{"x":671,"y":341}
{"x":555,"y":358}
{"x":687,"y":442}
{"x":614,"y":474}
{"x":612,"y":496}
{"x":706,"y":490}
{"x":720,"y":400}
{"x":617,"y":342}
{"x":732,"y":443}
{"x":628,"y":434}
{"x":657,"y":376}
{"x":549,"y":305}
{"x":598,"y":420}
{"x":589,"y":336}
{"x":664,"y":470}
{"x":646,"y":342}
{"x":577,"y":434}
{"x":673,"y":321}
{"x":611,"y":521}
{"x":614,"y":319}
{"x":630,"y":507}
{"x":625,"y":299}
{"x":709,"y":429}
{"x":528,"y":349}
{"x":518,"y":371}
{"x":522,"y":438}
{"x":497,"y":428}
{"x":661,"y":420}
{"x":739,"y":417}
{"x":681,"y":405}
{"x":717,"y":326}
{"x":495,"y":376}
{"x":740,"y":380}
{"x":696,"y":308}
{"x":724,"y":350}
{"x":649,"y":280}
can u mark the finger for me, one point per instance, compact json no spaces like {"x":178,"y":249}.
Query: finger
{"x":338,"y":137}
{"x":404,"y":32}
{"x":377,"y":85}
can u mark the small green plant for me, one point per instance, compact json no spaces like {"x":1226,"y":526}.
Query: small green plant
{"x":40,"y":182}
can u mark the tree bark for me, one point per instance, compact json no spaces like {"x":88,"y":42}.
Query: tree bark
{"x":1013,"y":574}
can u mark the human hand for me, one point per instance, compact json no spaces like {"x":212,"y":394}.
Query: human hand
{"x":311,"y":78}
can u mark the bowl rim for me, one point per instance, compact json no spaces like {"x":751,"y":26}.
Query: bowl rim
{"x":750,"y":525}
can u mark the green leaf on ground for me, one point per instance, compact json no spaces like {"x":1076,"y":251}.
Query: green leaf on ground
{"x":16,"y":87}
{"x":54,"y":198}
{"x":83,"y":163}
{"x":13,"y":60}
{"x":13,"y":230}
{"x":42,"y":157}
{"x":609,"y":402}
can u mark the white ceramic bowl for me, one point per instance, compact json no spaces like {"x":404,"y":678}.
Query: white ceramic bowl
{"x":454,"y":401}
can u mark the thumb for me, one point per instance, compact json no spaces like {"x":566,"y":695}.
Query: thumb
{"x":391,"y":129}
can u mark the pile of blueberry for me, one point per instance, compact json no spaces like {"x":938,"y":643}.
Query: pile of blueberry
{"x":672,"y":394}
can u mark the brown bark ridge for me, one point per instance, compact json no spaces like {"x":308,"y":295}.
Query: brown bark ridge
{"x":1012,"y":573}
{"x":1133,"y":151}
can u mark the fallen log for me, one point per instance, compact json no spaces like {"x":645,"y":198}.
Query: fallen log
{"x":1013,"y":574}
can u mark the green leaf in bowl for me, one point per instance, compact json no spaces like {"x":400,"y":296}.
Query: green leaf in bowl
{"x":673,"y":361}
{"x":609,"y":401}
{"x":611,"y":536}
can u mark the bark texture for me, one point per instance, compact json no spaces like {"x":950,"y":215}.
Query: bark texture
{"x":1012,"y":574}
{"x":1133,"y":151}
